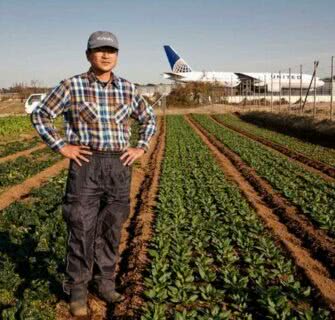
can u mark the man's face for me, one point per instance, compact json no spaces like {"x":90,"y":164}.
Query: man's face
{"x":103,"y":59}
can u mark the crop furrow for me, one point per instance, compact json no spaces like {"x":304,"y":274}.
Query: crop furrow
{"x":14,"y":147}
{"x":240,"y":127}
{"x":322,"y":246}
{"x":23,"y":167}
{"x":315,"y":198}
{"x":211,"y":256}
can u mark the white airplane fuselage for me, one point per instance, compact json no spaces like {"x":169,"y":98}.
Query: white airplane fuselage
{"x":182,"y":72}
{"x":257,"y":79}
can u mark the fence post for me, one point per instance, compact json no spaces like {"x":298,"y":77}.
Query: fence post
{"x":231,"y":90}
{"x":300,"y":107}
{"x":279,"y":91}
{"x":259,"y":95}
{"x":331,"y":87}
{"x":254,"y":91}
{"x":271,"y":92}
{"x":265,"y":90}
{"x":289,"y":89}
{"x":314,"y":96}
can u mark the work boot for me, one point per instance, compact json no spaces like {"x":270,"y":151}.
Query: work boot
{"x":78,"y":301}
{"x":111,"y":296}
{"x":105,"y":290}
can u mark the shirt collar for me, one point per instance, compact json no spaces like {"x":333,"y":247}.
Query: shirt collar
{"x":93,"y":78}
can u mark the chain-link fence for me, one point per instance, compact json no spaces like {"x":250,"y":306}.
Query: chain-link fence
{"x":303,"y":89}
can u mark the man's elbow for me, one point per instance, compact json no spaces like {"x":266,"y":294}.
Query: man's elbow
{"x":33,"y":118}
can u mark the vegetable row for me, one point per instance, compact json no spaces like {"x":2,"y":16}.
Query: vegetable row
{"x":13,"y":126}
{"x":316,"y":152}
{"x":33,"y":239}
{"x":313,"y":195}
{"x":13,"y":147}
{"x":32,"y":251}
{"x":18,"y":170}
{"x":211,"y":257}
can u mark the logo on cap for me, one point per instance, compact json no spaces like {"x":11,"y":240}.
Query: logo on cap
{"x":105,"y":38}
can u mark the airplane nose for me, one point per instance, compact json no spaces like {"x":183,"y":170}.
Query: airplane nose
{"x":320,"y":83}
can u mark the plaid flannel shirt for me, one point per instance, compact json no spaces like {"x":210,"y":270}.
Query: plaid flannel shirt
{"x":95,"y":114}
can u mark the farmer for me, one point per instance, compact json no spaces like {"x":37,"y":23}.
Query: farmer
{"x":96,"y":106}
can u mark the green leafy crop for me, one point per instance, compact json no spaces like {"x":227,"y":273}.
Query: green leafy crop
{"x":314,"y":195}
{"x":211,"y":257}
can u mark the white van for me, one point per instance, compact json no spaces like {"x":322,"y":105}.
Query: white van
{"x":32,"y":101}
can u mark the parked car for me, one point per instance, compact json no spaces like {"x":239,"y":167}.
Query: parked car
{"x":32,"y":101}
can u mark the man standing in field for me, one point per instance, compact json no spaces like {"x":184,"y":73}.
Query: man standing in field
{"x":96,"y":106}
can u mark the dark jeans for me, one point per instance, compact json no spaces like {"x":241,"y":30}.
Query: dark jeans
{"x":95,"y":206}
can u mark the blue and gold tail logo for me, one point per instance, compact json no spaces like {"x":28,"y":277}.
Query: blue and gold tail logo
{"x":177,"y":64}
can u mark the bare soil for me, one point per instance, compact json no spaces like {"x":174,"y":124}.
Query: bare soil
{"x":19,"y":191}
{"x":312,"y":251}
{"x":324,"y":170}
{"x":135,"y":259}
{"x":135,"y":235}
{"x":12,"y":107}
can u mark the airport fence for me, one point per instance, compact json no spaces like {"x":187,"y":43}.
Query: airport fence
{"x":314,"y":101}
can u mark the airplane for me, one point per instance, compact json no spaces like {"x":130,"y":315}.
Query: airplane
{"x":182,"y":72}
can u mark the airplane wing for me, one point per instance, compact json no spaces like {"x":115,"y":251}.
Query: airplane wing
{"x":246,"y":77}
{"x":174,"y":75}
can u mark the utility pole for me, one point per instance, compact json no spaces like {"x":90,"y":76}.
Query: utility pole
{"x":241,"y":95}
{"x":300,"y":107}
{"x":245,"y":92}
{"x":271,"y":92}
{"x":231,"y":89}
{"x":265,"y":90}
{"x":254,"y":91}
{"x":289,"y":89}
{"x":316,"y":63}
{"x":314,"y":100}
{"x":279,"y":90}
{"x":248,"y":93}
{"x":331,"y":87}
{"x":259,"y":94}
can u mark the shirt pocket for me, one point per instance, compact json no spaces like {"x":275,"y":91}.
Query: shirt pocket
{"x":121,"y":113}
{"x":88,"y":112}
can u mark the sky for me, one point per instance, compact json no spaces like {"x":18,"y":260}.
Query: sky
{"x":45,"y":40}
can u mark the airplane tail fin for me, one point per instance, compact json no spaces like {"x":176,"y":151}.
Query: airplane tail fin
{"x":177,"y":63}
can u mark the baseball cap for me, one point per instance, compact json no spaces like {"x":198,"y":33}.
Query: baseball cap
{"x":102,"y":39}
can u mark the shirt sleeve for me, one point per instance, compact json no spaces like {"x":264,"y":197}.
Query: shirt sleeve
{"x":144,"y":114}
{"x":49,"y":108}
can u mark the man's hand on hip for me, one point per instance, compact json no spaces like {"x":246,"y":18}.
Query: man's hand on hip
{"x":75,"y":152}
{"x":130,"y":155}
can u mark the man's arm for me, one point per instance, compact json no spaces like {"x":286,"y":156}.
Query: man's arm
{"x":143,"y":113}
{"x":49,"y":108}
{"x":41,"y":117}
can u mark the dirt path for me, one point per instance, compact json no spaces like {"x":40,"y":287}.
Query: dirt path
{"x":257,"y":193}
{"x":135,"y":233}
{"x":326,"y":171}
{"x":22,"y":153}
{"x":135,"y":257}
{"x":18,"y":191}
